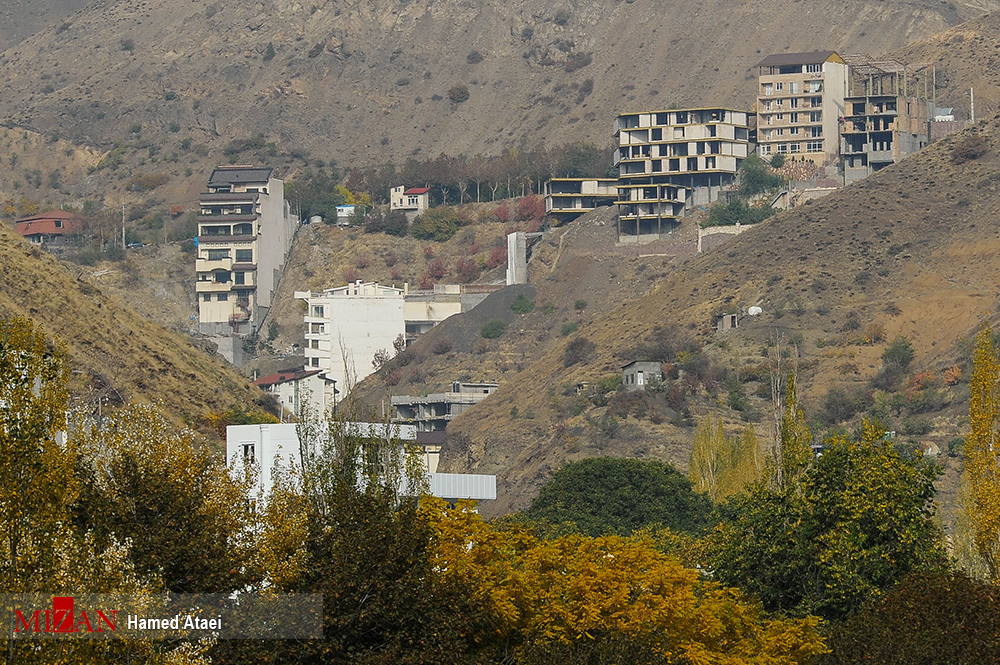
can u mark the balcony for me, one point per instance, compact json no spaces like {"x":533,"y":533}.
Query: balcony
{"x":225,"y":239}
{"x":226,"y":218}
{"x":237,"y":197}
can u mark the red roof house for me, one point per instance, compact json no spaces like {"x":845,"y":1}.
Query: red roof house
{"x":49,"y":228}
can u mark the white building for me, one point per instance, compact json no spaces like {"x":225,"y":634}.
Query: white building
{"x":347,"y":325}
{"x":270,"y":447}
{"x":298,"y":389}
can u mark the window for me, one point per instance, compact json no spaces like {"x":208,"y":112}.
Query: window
{"x":793,"y":103}
{"x":815,"y":116}
{"x":222,"y":297}
{"x":768,"y":119}
{"x":780,"y":103}
{"x":793,"y":147}
{"x":248,"y":453}
{"x":661,"y":150}
{"x":243,"y":230}
{"x":674,"y":165}
{"x":657,"y":134}
{"x":657,"y":165}
{"x":682,"y":117}
{"x":814,"y":68}
{"x":765,"y":149}
{"x":661,"y":119}
{"x":793,"y":88}
{"x":58,"y":224}
{"x":782,"y":148}
{"x":710,"y":162}
{"x":793,"y":117}
{"x":317,"y":311}
{"x":244,"y":256}
{"x":239,"y":278}
{"x":814,"y":146}
{"x":207,"y":297}
{"x":781,"y":131}
{"x":314,"y":362}
{"x":412,"y":202}
{"x":678,"y":132}
{"x":815,"y":102}
{"x":793,"y":130}
{"x":314,"y":344}
{"x":711,"y":130}
{"x":815,"y":131}
{"x":317,"y":328}
{"x":222,"y":276}
{"x":768,"y":89}
{"x":781,"y":116}
{"x":692,"y":164}
{"x":767,"y":105}
{"x":815,"y":86}
{"x":779,"y":86}
{"x":218,"y":254}
{"x":769,"y":135}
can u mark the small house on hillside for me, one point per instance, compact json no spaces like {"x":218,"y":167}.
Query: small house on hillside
{"x":412,"y":201}
{"x":638,"y":374}
{"x":50,"y":228}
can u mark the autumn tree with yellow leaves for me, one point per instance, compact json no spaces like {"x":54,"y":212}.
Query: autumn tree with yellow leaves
{"x":982,"y":452}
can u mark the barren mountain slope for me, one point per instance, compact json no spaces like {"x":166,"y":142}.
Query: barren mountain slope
{"x":20,"y":19}
{"x":368,"y":82}
{"x":966,"y":56}
{"x":116,"y":354}
{"x":914,"y":248}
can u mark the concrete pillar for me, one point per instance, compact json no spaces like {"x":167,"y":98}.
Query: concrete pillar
{"x":517,"y":258}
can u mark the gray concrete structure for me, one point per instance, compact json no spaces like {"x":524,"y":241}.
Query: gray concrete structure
{"x":637,"y":374}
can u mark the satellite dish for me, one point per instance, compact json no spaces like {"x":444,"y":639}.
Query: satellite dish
{"x":754,"y":311}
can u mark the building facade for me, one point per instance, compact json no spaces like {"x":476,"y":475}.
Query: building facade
{"x":49,"y":228}
{"x":412,"y":201}
{"x":432,"y":413}
{"x":245,"y":231}
{"x":568,"y":198}
{"x":639,"y":373}
{"x":347,"y":325}
{"x":301,"y":392}
{"x":674,"y":159}
{"x":800,"y":100}
{"x":270,"y":448}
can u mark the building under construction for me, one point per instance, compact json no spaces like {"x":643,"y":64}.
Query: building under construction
{"x":887,"y":114}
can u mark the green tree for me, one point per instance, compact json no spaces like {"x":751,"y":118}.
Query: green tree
{"x":796,"y":441}
{"x":756,"y":177}
{"x":606,"y":495}
{"x":982,"y":452}
{"x":856,"y":522}
{"x":940,"y":618}
{"x":438,"y":224}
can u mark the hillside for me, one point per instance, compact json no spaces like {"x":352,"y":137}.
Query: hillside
{"x":20,"y":19}
{"x":379,"y":81}
{"x":912,"y":250}
{"x":116,"y":354}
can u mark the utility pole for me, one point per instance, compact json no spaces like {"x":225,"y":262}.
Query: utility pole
{"x":972,"y":103}
{"x":123,"y":224}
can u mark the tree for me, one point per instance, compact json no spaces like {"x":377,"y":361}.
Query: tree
{"x":938,"y":618}
{"x":722,"y":465}
{"x":601,"y":600}
{"x":606,"y":495}
{"x":796,"y":441}
{"x":185,"y":515}
{"x":854,"y":523}
{"x":757,"y":178}
{"x":982,"y":451}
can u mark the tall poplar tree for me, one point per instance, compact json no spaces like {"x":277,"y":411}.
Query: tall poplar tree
{"x":983,"y":452}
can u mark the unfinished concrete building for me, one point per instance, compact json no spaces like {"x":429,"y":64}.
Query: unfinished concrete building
{"x":800,"y":98}
{"x":568,"y":198}
{"x":671,"y":160}
{"x":887,"y":114}
{"x":432,"y":413}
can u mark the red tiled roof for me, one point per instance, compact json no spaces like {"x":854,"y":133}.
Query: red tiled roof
{"x":46,"y":223}
{"x":285,"y":376}
{"x":417,"y":190}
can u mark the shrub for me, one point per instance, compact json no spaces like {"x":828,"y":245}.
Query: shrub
{"x":498,"y":257}
{"x":727,"y":214}
{"x":839,"y":405}
{"x":577,"y":61}
{"x":493,"y":329}
{"x":351,"y":275}
{"x":458,"y":94}
{"x":756,"y":177}
{"x":778,"y":161}
{"x":578,"y":351}
{"x":899,"y":354}
{"x":441,"y":346}
{"x":127,"y":45}
{"x":569,"y":328}
{"x":438,"y":224}
{"x":522,"y":304}
{"x":968,"y":149}
{"x":436,"y":269}
{"x":467,"y":270}
{"x":474,"y":57}
{"x":531,"y":208}
{"x":580,"y":304}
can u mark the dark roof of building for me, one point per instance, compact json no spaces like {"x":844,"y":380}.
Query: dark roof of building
{"x":285,"y":376}
{"x":417,"y":190}
{"x":46,"y":223}
{"x":811,"y":58}
{"x":230,"y":175}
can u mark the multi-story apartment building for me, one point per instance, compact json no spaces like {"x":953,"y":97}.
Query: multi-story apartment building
{"x":887,"y":115}
{"x":245,"y":231}
{"x":670,"y":160}
{"x":800,"y":100}
{"x":568,"y":198}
